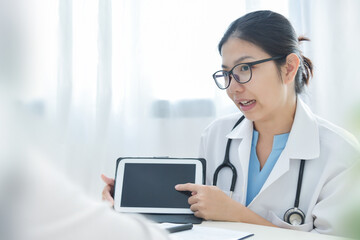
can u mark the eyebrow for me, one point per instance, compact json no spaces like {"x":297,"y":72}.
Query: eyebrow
{"x":238,"y":61}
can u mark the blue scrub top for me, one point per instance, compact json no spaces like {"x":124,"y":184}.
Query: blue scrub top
{"x":257,"y":178}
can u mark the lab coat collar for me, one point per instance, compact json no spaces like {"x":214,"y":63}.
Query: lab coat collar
{"x":303,"y":141}
{"x":243,"y":130}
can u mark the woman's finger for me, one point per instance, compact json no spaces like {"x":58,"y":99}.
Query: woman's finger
{"x":107,"y":180}
{"x":193,"y":199}
{"x":188,"y":187}
{"x":106,"y":194}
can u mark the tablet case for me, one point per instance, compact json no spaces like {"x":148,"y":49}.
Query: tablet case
{"x":171,"y":218}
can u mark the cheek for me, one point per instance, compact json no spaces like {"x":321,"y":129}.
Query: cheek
{"x":267,"y":87}
{"x":231,"y":95}
{"x":228,"y":92}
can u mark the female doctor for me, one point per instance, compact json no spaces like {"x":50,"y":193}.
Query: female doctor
{"x":290,"y":164}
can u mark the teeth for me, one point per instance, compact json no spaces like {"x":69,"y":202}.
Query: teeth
{"x":247,"y":102}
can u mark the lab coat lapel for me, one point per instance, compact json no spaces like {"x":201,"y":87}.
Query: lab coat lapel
{"x":304,"y":138}
{"x":243,"y":132}
{"x":303,"y":143}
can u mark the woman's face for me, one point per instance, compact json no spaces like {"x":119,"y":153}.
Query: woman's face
{"x":264,"y":95}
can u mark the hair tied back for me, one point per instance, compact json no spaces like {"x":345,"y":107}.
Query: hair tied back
{"x":303,"y":38}
{"x":307,"y":71}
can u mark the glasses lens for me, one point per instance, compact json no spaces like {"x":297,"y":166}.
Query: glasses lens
{"x":242,"y":73}
{"x":222,"y":79}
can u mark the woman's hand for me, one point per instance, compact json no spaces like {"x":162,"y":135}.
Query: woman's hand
{"x":210,"y":203}
{"x":108,"y":191}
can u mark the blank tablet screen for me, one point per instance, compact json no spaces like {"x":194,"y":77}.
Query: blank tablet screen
{"x":152,"y":185}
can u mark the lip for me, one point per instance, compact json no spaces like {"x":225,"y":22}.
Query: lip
{"x":246,"y":108}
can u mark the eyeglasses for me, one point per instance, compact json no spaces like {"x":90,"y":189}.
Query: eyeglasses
{"x":242,"y":73}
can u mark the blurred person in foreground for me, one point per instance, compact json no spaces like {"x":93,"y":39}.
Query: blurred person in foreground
{"x":36,"y":200}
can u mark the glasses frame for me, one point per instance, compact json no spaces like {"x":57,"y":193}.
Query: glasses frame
{"x":250,"y":64}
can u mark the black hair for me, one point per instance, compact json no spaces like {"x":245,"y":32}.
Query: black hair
{"x":275,"y":35}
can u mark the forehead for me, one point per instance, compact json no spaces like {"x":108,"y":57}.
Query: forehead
{"x":236,"y":50}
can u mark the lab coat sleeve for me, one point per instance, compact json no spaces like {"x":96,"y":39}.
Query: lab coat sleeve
{"x":329,"y":213}
{"x":202,"y":154}
{"x":51,"y":207}
{"x":324,"y":211}
{"x":202,"y":147}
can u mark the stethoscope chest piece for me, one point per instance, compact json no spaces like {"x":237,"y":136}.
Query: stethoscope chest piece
{"x":294,"y":216}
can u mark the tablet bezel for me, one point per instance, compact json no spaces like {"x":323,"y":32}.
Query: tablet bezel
{"x":199,"y":179}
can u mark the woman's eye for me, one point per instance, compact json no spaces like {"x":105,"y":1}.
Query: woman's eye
{"x":245,"y":68}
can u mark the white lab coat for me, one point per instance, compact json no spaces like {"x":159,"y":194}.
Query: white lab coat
{"x":329,"y":153}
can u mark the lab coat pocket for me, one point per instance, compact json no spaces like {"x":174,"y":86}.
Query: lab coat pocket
{"x":306,"y":227}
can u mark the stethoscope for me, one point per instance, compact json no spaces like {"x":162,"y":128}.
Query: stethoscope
{"x":294,"y":215}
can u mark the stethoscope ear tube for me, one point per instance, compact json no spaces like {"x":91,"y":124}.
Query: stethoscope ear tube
{"x":234,"y":174}
{"x":216,"y":173}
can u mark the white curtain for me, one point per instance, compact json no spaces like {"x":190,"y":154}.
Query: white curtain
{"x":133,"y":78}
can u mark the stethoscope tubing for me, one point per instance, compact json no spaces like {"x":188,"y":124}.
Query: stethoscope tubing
{"x":228,"y":164}
{"x":299,"y":183}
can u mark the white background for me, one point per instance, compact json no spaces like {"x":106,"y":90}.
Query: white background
{"x":105,"y":79}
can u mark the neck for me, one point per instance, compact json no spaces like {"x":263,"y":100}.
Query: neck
{"x":280,"y":121}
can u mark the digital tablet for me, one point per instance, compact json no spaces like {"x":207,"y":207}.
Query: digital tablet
{"x":147,"y":185}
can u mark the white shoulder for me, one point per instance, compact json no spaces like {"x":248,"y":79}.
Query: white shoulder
{"x":223,"y":123}
{"x":339,"y":143}
{"x":214,"y":136}
{"x":333,"y":132}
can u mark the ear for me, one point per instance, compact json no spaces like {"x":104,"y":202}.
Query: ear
{"x":290,"y":68}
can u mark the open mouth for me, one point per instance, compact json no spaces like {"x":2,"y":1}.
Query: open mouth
{"x":247,"y":103}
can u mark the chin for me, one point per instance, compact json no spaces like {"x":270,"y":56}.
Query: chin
{"x":250,"y":116}
{"x":247,"y":115}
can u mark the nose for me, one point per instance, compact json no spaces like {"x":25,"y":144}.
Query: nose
{"x":235,"y":86}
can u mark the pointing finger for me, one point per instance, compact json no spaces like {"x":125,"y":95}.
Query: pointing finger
{"x":188,"y":187}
